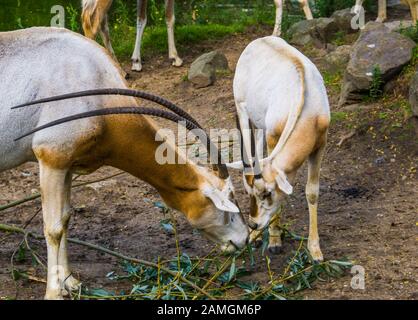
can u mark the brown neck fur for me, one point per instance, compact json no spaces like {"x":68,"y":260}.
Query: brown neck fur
{"x":131,"y":147}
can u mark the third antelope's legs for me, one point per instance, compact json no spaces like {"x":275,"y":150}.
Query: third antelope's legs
{"x":170,"y":19}
{"x":140,"y":26}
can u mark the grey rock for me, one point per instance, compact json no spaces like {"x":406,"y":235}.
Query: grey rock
{"x":376,"y":46}
{"x":338,"y":59}
{"x":396,"y":26}
{"x":343,"y":20}
{"x":390,"y":86}
{"x":317,"y":32}
{"x":331,"y":47}
{"x":413,"y":94}
{"x":202,"y":72}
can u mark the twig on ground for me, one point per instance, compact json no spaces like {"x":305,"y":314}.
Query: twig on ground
{"x":9,"y":228}
{"x":38,"y":195}
{"x":32,"y":252}
{"x":345,"y":137}
{"x":13,"y":268}
{"x":20,"y":201}
{"x":33,"y":278}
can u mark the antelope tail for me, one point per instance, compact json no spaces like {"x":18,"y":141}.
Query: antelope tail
{"x":90,"y":27}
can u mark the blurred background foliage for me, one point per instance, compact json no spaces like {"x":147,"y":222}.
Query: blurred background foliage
{"x":196,"y":20}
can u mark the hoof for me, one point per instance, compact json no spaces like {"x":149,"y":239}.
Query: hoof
{"x":315,"y":251}
{"x":275,"y":249}
{"x":54,"y":295}
{"x":318,"y":260}
{"x":136,"y":66}
{"x":177,"y":62}
{"x":317,"y":256}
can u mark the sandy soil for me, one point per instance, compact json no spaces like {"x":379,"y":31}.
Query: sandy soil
{"x":368,"y":202}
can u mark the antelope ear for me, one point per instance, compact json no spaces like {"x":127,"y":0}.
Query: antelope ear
{"x":220,"y":200}
{"x":283,"y":183}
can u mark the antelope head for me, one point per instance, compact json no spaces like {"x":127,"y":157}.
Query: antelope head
{"x":266,"y":191}
{"x":265,"y":182}
{"x":216,"y":214}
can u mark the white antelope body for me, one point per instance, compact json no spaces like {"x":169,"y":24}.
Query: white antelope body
{"x":280,"y":91}
{"x":95,"y":21}
{"x":40,"y":62}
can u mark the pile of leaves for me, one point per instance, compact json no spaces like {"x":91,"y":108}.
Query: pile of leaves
{"x":219,"y":276}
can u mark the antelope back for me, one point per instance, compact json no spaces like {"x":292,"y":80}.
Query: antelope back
{"x":55,"y":72}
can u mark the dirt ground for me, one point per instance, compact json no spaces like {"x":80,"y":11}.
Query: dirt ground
{"x":367,"y":213}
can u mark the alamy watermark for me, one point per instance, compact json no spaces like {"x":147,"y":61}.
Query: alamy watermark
{"x":58,"y":19}
{"x":180,"y":146}
{"x":359,"y":19}
{"x":358,"y":279}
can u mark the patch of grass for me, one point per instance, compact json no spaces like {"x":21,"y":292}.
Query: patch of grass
{"x":402,"y":107}
{"x":410,"y":32}
{"x":383,"y":115}
{"x":409,"y":71}
{"x":122,"y":13}
{"x":337,"y":116}
{"x":414,"y":60}
{"x":223,"y":73}
{"x":339,"y":38}
{"x":377,"y":82}
{"x":324,"y":8}
{"x":155,"y":37}
{"x":73,"y":18}
{"x":406,"y":108}
{"x":195,"y":22}
{"x":332,"y":80}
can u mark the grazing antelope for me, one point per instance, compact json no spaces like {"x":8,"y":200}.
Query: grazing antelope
{"x":39,"y":63}
{"x":279,"y":90}
{"x":279,"y":14}
{"x":382,"y":13}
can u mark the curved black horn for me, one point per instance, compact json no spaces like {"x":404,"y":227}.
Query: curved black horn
{"x":222,"y":169}
{"x":254,"y":154}
{"x":244,"y":157}
{"x":255,"y":166}
{"x":116,"y":91}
